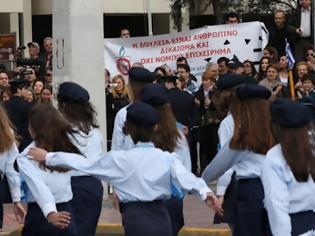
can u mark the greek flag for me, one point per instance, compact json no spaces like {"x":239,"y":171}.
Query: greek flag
{"x":289,"y":54}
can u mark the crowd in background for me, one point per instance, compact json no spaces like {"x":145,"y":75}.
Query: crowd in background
{"x":33,"y":77}
{"x":196,"y":110}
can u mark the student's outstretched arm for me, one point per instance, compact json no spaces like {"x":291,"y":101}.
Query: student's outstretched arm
{"x":223,"y":161}
{"x":277,"y":198}
{"x":107,"y":168}
{"x":42,"y":193}
{"x":188,"y":181}
{"x":12,"y":175}
{"x":14,"y":182}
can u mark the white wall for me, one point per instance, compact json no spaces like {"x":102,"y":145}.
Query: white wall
{"x":44,"y":7}
{"x":11,"y":6}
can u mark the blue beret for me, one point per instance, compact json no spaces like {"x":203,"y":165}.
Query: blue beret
{"x":235,"y":64}
{"x":18,"y":81}
{"x":141,"y":75}
{"x":154,"y":94}
{"x":72,"y":93}
{"x":140,"y":113}
{"x":252,"y":91}
{"x":230,"y":81}
{"x":289,"y":114}
{"x":169,"y":78}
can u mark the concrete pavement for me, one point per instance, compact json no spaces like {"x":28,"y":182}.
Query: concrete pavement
{"x":198,"y":219}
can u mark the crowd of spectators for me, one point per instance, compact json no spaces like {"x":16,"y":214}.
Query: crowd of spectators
{"x":192,"y":102}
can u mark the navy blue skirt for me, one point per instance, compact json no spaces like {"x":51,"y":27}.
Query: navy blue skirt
{"x":175,"y":209}
{"x":86,"y":203}
{"x":229,"y":204}
{"x":250,"y":215}
{"x":302,"y":222}
{"x":146,"y":219}
{"x":36,"y":223}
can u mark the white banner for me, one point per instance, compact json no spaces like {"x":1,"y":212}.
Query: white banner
{"x":199,"y":46}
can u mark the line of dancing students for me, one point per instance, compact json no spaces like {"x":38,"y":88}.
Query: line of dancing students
{"x":141,"y":186}
{"x":142,"y":181}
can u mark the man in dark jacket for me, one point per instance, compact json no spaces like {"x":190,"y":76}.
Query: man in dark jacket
{"x":280,"y":31}
{"x":18,"y":109}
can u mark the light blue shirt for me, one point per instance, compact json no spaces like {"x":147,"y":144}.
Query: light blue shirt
{"x":7,"y":159}
{"x":46,"y":187}
{"x":284,"y":195}
{"x":143,"y":173}
{"x":226,"y":129}
{"x":182,"y":151}
{"x":225,"y":133}
{"x":120,"y":141}
{"x":247,"y":164}
{"x":90,"y":145}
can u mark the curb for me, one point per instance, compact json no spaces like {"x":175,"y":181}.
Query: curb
{"x":117,"y":230}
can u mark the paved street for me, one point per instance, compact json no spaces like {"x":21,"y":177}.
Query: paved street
{"x":196,"y":212}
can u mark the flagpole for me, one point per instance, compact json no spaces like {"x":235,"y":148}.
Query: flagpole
{"x":291,"y":62}
{"x":291,"y":85}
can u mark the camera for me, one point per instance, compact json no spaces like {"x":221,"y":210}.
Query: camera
{"x":26,"y":71}
{"x":112,"y":85}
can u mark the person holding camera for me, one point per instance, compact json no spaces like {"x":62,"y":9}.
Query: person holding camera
{"x":18,"y":109}
{"x":120,"y":93}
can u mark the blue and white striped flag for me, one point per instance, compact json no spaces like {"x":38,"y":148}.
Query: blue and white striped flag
{"x":289,"y":54}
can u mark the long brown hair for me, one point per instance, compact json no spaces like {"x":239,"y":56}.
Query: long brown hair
{"x":139,"y":133}
{"x":81,"y":115}
{"x":252,"y":125}
{"x":7,"y":137}
{"x":51,"y":131}
{"x":297,"y":150}
{"x":167,"y":133}
{"x":222,"y":100}
{"x":135,"y":88}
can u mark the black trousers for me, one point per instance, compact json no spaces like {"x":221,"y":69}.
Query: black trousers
{"x":86,"y":203}
{"x":36,"y":223}
{"x":208,"y":139}
{"x":146,"y":219}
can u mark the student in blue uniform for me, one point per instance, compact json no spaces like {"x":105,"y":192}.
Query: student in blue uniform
{"x":245,"y":152}
{"x":169,"y":138}
{"x":289,"y":171}
{"x":223,"y":99}
{"x":138,"y":77}
{"x":74,"y":104}
{"x":142,"y":176}
{"x":48,"y":210}
{"x":8,"y":154}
